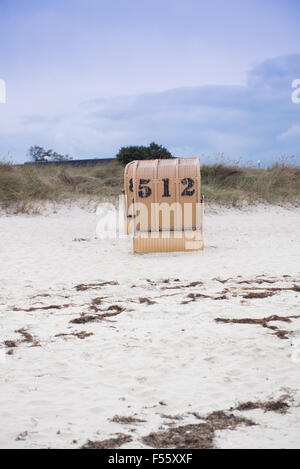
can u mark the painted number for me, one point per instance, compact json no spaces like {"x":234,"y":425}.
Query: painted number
{"x":131,"y":185}
{"x":144,"y":190}
{"x":189,"y":182}
{"x":166,"y":193}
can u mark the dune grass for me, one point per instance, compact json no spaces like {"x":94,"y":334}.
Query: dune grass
{"x":22,"y":186}
{"x":232,"y":184}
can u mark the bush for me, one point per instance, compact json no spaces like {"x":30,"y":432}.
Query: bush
{"x":152,"y":152}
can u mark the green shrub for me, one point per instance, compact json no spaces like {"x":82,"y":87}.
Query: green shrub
{"x":152,"y":152}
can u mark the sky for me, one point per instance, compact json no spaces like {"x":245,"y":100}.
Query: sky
{"x":203,"y":78}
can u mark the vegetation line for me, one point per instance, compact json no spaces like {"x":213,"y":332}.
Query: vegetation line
{"x":23,"y":186}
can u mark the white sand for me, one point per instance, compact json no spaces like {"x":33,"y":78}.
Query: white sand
{"x":168,"y":352}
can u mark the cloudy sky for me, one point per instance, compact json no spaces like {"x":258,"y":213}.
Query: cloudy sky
{"x":203,"y":78}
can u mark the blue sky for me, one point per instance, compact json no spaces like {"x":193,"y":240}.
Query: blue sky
{"x":86,"y":77}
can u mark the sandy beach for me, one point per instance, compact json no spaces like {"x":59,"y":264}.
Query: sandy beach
{"x":99,"y":344}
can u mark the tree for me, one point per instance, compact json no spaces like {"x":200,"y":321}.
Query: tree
{"x":38,"y":154}
{"x":152,"y":152}
{"x":157,"y":152}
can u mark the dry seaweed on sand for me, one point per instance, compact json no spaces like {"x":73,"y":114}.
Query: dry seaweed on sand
{"x":37,"y":308}
{"x":88,"y":286}
{"x":171,"y":417}
{"x":270,"y":291}
{"x":126,"y":420}
{"x":263,"y":294}
{"x":282,"y":334}
{"x":221,"y":297}
{"x":117,"y":308}
{"x":84,"y":318}
{"x":280,"y":405}
{"x":261,"y":321}
{"x":258,"y":280}
{"x":195,"y":436}
{"x":198,"y":436}
{"x":79,"y":335}
{"x":222,"y":280}
{"x":27,"y":338}
{"x":96,"y":302}
{"x":177,"y":287}
{"x":10,"y":343}
{"x":110,"y":443}
{"x":194,"y":296}
{"x":264,"y":322}
{"x":22,"y":436}
{"x":148,"y":301}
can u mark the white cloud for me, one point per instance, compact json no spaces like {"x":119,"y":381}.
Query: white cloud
{"x":243,"y":122}
{"x":292,"y":133}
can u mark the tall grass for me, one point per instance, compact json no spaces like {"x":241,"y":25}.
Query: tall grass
{"x":22,"y":186}
{"x":279,"y":183}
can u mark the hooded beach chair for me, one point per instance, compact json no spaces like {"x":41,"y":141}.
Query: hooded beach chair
{"x":163,"y":205}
